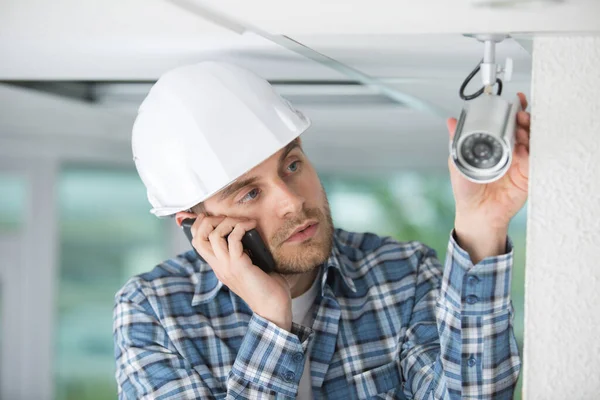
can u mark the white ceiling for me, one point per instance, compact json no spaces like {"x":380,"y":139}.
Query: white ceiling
{"x":409,"y":16}
{"x":140,"y":39}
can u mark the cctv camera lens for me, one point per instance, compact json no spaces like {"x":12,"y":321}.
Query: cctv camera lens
{"x":482,"y":150}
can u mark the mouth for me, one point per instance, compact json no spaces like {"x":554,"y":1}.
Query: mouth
{"x":303,"y":232}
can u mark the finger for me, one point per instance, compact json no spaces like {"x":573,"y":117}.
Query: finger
{"x":206,"y":226}
{"x":203,"y":228}
{"x":197,"y":243}
{"x":523,"y":157}
{"x":452,"y":167}
{"x":217,"y":237}
{"x":524,"y":119}
{"x":519,"y":171}
{"x":523,"y":137}
{"x":196,"y":224}
{"x":523,"y":99}
{"x":234,"y":240}
{"x":451,"y":124}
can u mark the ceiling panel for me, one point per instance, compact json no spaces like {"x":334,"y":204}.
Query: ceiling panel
{"x":426,"y":56}
{"x":101,"y":20}
{"x":409,"y":16}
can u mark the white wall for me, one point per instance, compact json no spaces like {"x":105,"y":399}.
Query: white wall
{"x":562,"y":290}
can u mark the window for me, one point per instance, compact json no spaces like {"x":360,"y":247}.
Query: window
{"x":14,"y":193}
{"x":13,"y":202}
{"x":106,"y":236}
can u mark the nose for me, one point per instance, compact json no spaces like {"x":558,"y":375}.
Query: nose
{"x":288,"y":201}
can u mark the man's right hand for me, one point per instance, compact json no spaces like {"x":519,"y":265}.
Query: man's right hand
{"x":268,"y":295}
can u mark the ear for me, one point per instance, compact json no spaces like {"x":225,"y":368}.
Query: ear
{"x":180,"y":216}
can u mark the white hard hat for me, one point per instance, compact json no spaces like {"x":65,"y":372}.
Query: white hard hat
{"x":201,"y":127}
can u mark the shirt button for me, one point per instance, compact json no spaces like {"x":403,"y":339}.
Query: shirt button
{"x":473,"y":280}
{"x":298,"y":357}
{"x":289,"y":376}
{"x":472,"y":299}
{"x":472,"y":361}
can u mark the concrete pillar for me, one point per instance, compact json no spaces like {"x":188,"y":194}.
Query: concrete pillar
{"x":562,"y":283}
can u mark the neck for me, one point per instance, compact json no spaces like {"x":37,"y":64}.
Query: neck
{"x":300,"y":283}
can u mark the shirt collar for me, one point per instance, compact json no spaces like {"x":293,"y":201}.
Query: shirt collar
{"x":207,"y":285}
{"x":339,"y":262}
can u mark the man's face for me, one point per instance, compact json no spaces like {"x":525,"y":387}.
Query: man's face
{"x":282,"y":194}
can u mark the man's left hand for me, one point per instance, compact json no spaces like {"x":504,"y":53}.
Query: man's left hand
{"x":483,"y":211}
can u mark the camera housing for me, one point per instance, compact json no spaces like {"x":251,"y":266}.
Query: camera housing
{"x":483,"y":145}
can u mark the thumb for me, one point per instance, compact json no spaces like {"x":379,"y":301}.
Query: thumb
{"x":451,"y":124}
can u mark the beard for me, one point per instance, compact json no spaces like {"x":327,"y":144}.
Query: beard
{"x":303,"y":257}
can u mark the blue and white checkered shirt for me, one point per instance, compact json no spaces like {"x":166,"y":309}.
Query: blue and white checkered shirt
{"x":389,"y":322}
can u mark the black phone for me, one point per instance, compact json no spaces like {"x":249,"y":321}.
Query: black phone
{"x":253,"y":246}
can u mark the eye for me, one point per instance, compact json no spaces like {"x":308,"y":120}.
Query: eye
{"x":251,"y":195}
{"x":293,"y":167}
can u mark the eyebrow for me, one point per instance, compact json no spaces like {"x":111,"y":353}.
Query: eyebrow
{"x":287,"y":149}
{"x":235,"y":186}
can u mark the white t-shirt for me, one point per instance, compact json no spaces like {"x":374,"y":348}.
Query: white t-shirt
{"x":302,"y":310}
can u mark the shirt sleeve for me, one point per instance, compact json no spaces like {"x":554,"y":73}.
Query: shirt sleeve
{"x":460,"y":341}
{"x":269,"y":363}
{"x":271,"y":358}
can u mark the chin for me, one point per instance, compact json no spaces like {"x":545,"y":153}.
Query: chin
{"x":304,"y":257}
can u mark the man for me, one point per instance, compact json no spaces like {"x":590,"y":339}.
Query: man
{"x":345,"y":315}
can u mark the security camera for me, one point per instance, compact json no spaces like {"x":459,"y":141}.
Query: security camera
{"x":485,"y":136}
{"x":484,"y":141}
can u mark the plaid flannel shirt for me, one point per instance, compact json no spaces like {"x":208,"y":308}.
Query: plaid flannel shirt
{"x":389,"y":322}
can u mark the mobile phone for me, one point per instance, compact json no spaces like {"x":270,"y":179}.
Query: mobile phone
{"x":251,"y":241}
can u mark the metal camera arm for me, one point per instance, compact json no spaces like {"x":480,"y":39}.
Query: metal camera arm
{"x":489,"y":68}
